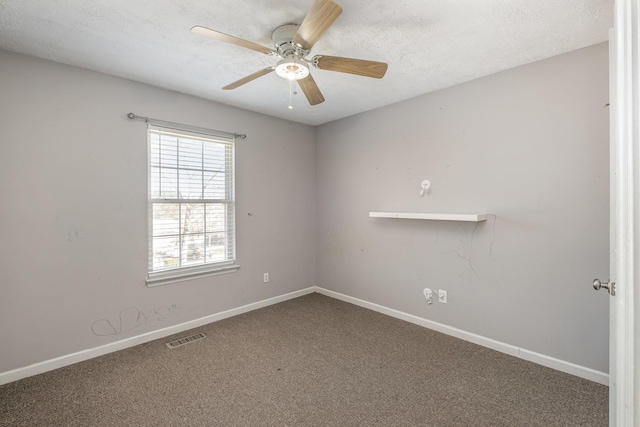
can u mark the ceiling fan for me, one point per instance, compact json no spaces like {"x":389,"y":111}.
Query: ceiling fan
{"x":293,"y":44}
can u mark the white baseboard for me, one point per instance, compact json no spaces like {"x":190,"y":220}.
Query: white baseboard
{"x":540,"y":359}
{"x":59,"y":362}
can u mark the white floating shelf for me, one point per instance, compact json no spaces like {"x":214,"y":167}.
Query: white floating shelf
{"x":430,"y":216}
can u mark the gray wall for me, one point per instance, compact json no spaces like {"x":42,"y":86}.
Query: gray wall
{"x":73,"y":214}
{"x":530,"y":146}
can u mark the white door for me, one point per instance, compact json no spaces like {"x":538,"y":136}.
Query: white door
{"x":624,"y":408}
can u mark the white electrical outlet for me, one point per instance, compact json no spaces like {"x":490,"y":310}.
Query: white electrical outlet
{"x":266,"y":277}
{"x":442,"y":296}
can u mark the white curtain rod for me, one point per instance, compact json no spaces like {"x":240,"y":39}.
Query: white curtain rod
{"x":188,"y":128}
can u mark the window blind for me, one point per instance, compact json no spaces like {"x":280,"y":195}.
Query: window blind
{"x":191,"y":200}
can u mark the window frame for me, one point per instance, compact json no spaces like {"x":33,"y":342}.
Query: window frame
{"x":181,"y":273}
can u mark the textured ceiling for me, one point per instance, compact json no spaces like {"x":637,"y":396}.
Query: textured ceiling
{"x":429,"y":45}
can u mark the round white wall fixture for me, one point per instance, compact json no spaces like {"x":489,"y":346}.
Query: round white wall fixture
{"x":425,"y":186}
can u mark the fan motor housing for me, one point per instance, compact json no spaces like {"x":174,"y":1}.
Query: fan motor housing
{"x":283,"y":40}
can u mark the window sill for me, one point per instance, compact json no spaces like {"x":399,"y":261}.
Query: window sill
{"x":189,"y":273}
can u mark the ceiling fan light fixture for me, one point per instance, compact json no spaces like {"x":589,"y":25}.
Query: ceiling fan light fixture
{"x":293,"y":43}
{"x":292,"y":68}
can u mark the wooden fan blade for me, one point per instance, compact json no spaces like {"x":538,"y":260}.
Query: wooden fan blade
{"x":311,"y":90}
{"x":359,"y":67}
{"x":249,"y":78}
{"x":231,"y":39}
{"x":320,"y":17}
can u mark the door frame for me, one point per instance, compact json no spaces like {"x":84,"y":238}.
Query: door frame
{"x":624,"y":380}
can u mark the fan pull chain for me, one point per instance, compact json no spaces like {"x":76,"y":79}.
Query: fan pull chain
{"x":290,"y":94}
{"x":292,"y":91}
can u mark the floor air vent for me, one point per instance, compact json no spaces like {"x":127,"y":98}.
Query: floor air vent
{"x":185,"y":340}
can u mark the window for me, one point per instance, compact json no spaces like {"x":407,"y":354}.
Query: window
{"x":191,"y":205}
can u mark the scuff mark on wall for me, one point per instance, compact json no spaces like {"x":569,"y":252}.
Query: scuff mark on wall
{"x":75,"y":234}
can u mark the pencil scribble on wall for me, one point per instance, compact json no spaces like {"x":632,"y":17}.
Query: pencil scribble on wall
{"x":468,"y":241}
{"x":131,"y":318}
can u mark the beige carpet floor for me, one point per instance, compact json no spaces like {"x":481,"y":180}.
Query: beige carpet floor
{"x":311,"y":361}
